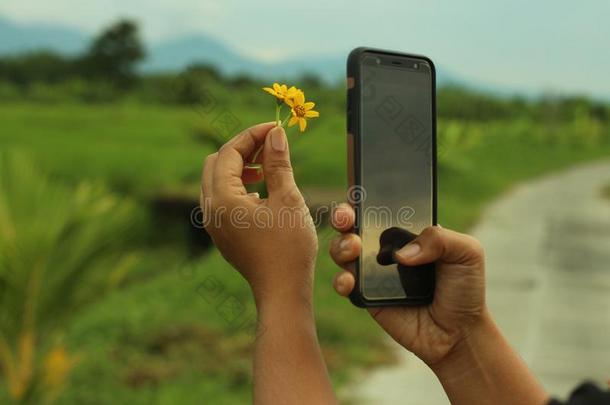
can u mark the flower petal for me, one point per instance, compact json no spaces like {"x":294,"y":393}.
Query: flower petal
{"x":277,"y":87}
{"x":302,"y":124}
{"x":289,"y":101}
{"x":299,"y":97}
{"x":269,"y":90}
{"x":312,"y":114}
{"x":309,"y":105}
{"x":293,"y":120}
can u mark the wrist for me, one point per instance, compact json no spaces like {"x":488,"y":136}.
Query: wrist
{"x":482,"y":368}
{"x":285,"y":313}
{"x":462,"y":358}
{"x":283,"y":299}
{"x":283,"y":295}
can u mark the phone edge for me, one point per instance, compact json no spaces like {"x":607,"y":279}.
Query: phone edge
{"x":353,"y":135}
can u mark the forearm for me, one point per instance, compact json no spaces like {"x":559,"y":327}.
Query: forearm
{"x":288,"y":363}
{"x":484,"y":369}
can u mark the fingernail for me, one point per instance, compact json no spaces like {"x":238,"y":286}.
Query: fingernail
{"x":340,"y":286}
{"x":410,"y":250}
{"x":278,"y":139}
{"x":345,"y":244}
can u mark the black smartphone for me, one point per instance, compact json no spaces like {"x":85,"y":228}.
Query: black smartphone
{"x":391,"y":121}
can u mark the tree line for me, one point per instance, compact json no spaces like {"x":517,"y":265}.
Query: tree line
{"x":107,"y":70}
{"x":112,"y":56}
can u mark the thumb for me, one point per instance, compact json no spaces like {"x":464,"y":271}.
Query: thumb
{"x":276,"y":163}
{"x":436,"y":243}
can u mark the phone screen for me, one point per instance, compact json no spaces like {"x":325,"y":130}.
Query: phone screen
{"x":396,"y":163}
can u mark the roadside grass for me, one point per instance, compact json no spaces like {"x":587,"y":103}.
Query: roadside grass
{"x":508,"y":153}
{"x":165,"y":335}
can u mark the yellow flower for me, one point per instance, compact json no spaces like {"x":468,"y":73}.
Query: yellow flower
{"x":301,"y":110}
{"x":281,"y":92}
{"x":293,"y":94}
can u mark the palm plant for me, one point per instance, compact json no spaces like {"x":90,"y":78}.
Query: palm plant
{"x":60,"y":247}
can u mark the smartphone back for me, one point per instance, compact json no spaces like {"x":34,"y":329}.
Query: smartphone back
{"x":391,"y":120}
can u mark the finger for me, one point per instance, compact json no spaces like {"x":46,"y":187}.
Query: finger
{"x":232,"y":155}
{"x":251,"y":175}
{"x":344,"y":283}
{"x":345,"y":248}
{"x":208,"y":175}
{"x":343,"y":218}
{"x":440,"y":244}
{"x":276,"y":165}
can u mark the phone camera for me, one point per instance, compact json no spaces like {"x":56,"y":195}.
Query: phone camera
{"x":415,"y":66}
{"x":378,"y":61}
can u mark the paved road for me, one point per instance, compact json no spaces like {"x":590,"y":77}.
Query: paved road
{"x":548,"y":269}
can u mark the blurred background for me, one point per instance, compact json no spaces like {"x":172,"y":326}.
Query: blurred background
{"x":110,"y":291}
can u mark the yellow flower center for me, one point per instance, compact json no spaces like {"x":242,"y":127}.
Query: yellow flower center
{"x":299,"y":110}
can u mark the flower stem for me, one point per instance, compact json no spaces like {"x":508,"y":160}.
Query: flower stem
{"x":278,"y":123}
{"x":287,"y":117}
{"x":258,"y":152}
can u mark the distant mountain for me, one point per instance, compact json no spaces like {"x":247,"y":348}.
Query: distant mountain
{"x":18,"y":38}
{"x":328,"y":68}
{"x":176,"y":54}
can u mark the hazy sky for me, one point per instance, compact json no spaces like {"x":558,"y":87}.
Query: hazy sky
{"x":533,"y":45}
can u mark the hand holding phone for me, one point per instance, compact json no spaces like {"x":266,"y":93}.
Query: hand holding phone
{"x":431,"y":331}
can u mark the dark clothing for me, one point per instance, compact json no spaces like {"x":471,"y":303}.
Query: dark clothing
{"x":586,"y":394}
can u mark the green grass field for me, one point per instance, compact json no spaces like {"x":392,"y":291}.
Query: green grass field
{"x":163,"y":336}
